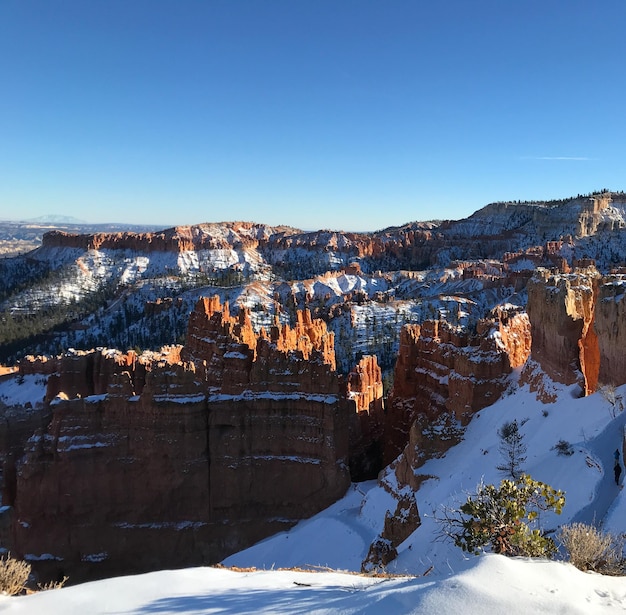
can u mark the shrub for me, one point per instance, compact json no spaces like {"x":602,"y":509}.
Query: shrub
{"x":563,"y":447}
{"x":13,"y":575}
{"x":588,"y":548}
{"x":500,"y":518}
{"x":43,"y":587}
{"x":613,"y":398}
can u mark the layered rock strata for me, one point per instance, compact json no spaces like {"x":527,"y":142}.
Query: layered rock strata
{"x":444,"y":376}
{"x":578,"y":331}
{"x":183,"y":457}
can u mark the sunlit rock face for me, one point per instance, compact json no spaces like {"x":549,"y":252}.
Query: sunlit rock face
{"x":444,"y":376}
{"x":578,"y":329}
{"x":185,"y":456}
{"x":365,"y":389}
{"x":561,"y":312}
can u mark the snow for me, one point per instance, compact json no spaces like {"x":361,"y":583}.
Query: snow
{"x":19,"y":391}
{"x":490,"y":584}
{"x":277,"y":396}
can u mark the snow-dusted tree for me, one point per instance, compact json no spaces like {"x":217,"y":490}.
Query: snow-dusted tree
{"x":512,"y":448}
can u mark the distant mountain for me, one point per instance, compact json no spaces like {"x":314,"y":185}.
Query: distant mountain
{"x":55,"y":219}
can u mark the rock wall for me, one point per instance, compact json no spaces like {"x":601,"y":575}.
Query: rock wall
{"x":365,"y":388}
{"x":581,"y":226}
{"x":444,"y":376}
{"x":610,"y":329}
{"x":561,"y":312}
{"x":182,"y":457}
{"x":578,"y":330}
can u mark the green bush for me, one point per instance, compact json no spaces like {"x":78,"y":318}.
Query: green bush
{"x":500,"y":518}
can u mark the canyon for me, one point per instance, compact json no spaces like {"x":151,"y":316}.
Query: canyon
{"x":308,"y":360}
{"x":236,"y":435}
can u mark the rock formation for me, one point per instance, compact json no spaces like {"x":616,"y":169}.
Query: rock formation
{"x":577,"y":336}
{"x":185,"y":456}
{"x":610,"y":330}
{"x":505,"y":230}
{"x":177,"y":239}
{"x":365,"y":388}
{"x":399,"y":525}
{"x":444,"y":376}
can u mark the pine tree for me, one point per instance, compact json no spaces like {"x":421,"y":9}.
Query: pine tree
{"x":512,"y":448}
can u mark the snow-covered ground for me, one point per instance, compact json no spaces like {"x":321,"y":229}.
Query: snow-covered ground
{"x":436,"y":576}
{"x":490,"y":584}
{"x":29,"y":389}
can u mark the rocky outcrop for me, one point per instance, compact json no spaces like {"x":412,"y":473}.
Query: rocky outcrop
{"x":577,"y":336}
{"x":610,"y":330}
{"x":579,"y":217}
{"x":182,"y":457}
{"x":444,"y":376}
{"x":399,"y":525}
{"x":233,"y":357}
{"x":492,"y":232}
{"x":365,"y":388}
{"x":561,"y":311}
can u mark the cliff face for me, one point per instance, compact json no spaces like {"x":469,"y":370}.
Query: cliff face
{"x":610,"y":329}
{"x":561,"y":311}
{"x":365,"y":388}
{"x":444,"y":376}
{"x":577,"y":336}
{"x":183,"y":457}
{"x":580,"y":217}
{"x":176,"y":239}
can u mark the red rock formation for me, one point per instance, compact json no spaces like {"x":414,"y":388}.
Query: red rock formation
{"x":153,"y":460}
{"x":561,"y":309}
{"x":398,"y":527}
{"x":576,"y":332}
{"x":444,"y":375}
{"x":178,"y":239}
{"x":80,"y":373}
{"x":365,"y":387}
{"x":610,"y":316}
{"x":38,"y":365}
{"x":309,"y":337}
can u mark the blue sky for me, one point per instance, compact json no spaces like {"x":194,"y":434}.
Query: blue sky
{"x":342,"y":114}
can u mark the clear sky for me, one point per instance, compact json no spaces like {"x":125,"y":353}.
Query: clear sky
{"x":341,"y":114}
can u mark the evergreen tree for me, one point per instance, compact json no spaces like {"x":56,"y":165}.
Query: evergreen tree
{"x":512,"y":448}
